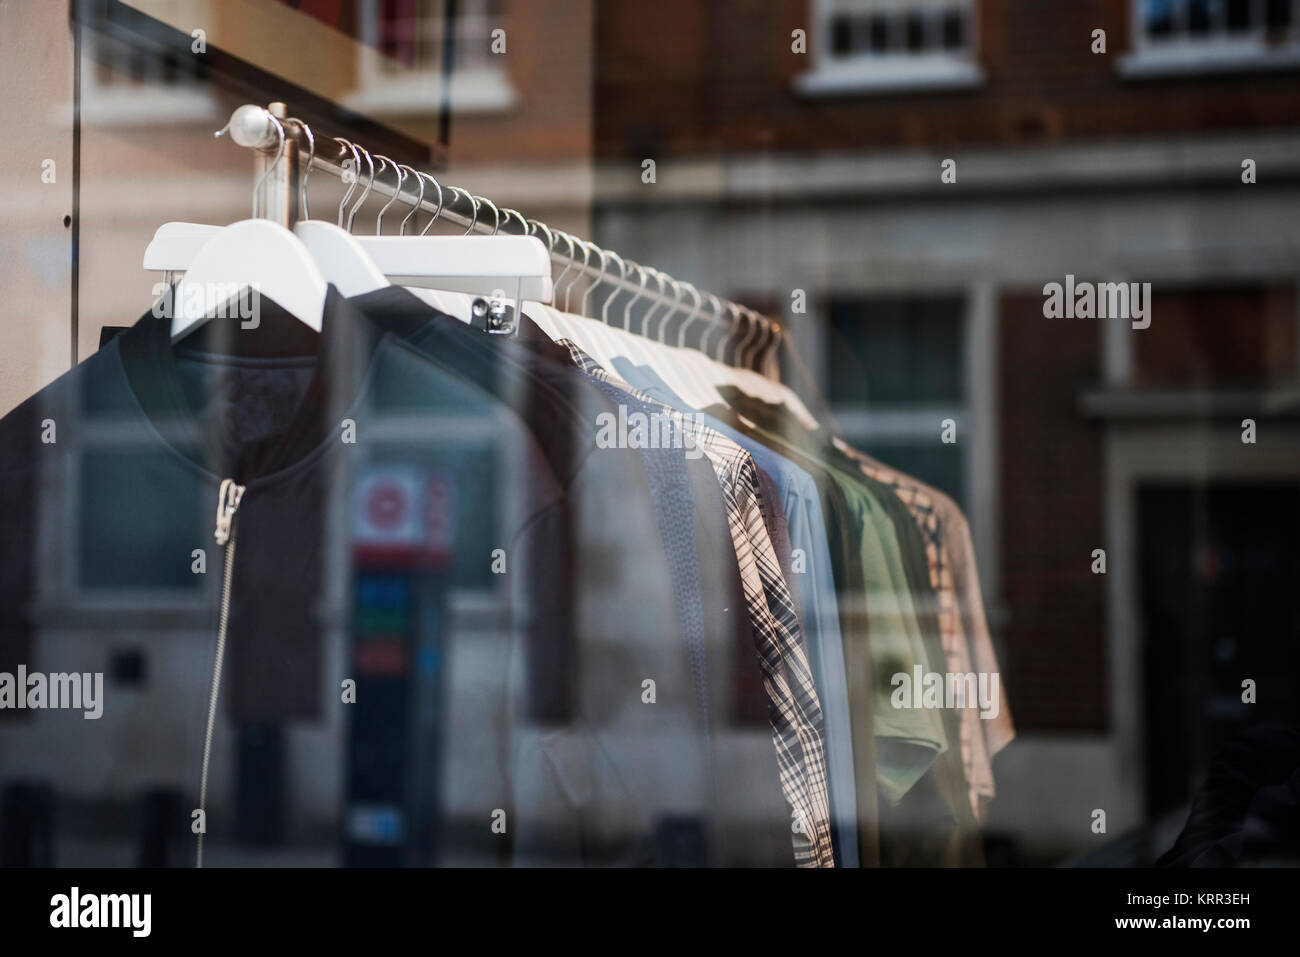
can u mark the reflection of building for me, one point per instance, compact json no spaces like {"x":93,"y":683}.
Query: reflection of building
{"x":147,"y":156}
{"x":521,"y":134}
{"x":414,"y":40}
{"x":821,"y":171}
{"x":404,"y":600}
{"x":858,"y":47}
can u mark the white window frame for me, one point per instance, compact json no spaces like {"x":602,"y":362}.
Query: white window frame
{"x":1215,"y":52}
{"x":147,"y":103}
{"x":895,"y":71}
{"x":920,"y":423}
{"x":481,"y":86}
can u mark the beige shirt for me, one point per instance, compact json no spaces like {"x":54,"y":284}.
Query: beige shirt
{"x":968,"y":646}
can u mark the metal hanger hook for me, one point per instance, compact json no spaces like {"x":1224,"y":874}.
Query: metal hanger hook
{"x":622,"y":274}
{"x":496,"y":213}
{"x":270,"y":167}
{"x":474,"y":202}
{"x":531,"y":227}
{"x":719,"y":321}
{"x":586,"y":258}
{"x":774,"y":347}
{"x":676,"y":304}
{"x":750,"y":345}
{"x":640,"y":291}
{"x":760,"y":332}
{"x":356,"y":171}
{"x":694,"y":314}
{"x":419,"y":200}
{"x":741,"y":346}
{"x":599,"y":277}
{"x":437,"y":212}
{"x":370,"y":184}
{"x":507,"y":212}
{"x":401,"y":178}
{"x":661,"y":286}
{"x":573,"y":252}
{"x":729,"y":337}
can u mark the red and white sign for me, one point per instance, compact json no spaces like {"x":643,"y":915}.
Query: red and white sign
{"x":403,"y":513}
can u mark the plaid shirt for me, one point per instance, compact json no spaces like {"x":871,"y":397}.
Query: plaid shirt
{"x":793,"y":707}
{"x":976,"y":761}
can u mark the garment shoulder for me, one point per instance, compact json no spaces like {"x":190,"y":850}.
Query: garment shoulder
{"x":57,"y":412}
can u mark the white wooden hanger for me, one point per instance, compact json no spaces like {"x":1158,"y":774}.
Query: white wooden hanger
{"x":341,"y":259}
{"x":760,"y":386}
{"x":512,"y":267}
{"x":174,"y":246}
{"x":564,"y":322}
{"x":605,"y":342}
{"x":696,"y":366}
{"x":608,"y":342}
{"x":492,"y":265}
{"x":539,"y":312}
{"x":619,"y":342}
{"x":255,"y":254}
{"x":668,"y":362}
{"x":692,"y":374}
{"x":252,"y":254}
{"x":488,"y":266}
{"x":700,"y":371}
{"x":336,"y":251}
{"x":604,"y":347}
{"x":745,"y":378}
{"x":647,"y":348}
{"x":585,"y":332}
{"x":692,"y":365}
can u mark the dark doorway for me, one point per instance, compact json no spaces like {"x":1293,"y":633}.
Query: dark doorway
{"x":1220,"y":599}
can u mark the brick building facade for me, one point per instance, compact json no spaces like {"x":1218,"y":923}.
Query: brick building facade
{"x":781,"y":171}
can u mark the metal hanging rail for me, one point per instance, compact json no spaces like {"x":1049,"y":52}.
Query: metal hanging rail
{"x":284,"y":199}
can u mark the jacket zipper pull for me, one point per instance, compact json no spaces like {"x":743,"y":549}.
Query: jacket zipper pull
{"x":228,"y":500}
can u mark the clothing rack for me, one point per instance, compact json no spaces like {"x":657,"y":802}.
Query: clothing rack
{"x":283,"y":198}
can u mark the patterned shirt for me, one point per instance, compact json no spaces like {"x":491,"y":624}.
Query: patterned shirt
{"x":976,"y":760}
{"x":794,"y":710}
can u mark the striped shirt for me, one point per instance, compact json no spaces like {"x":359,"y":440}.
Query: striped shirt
{"x":794,"y":710}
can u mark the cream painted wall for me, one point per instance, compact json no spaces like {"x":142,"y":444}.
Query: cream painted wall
{"x":35,"y":246}
{"x":156,"y":161}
